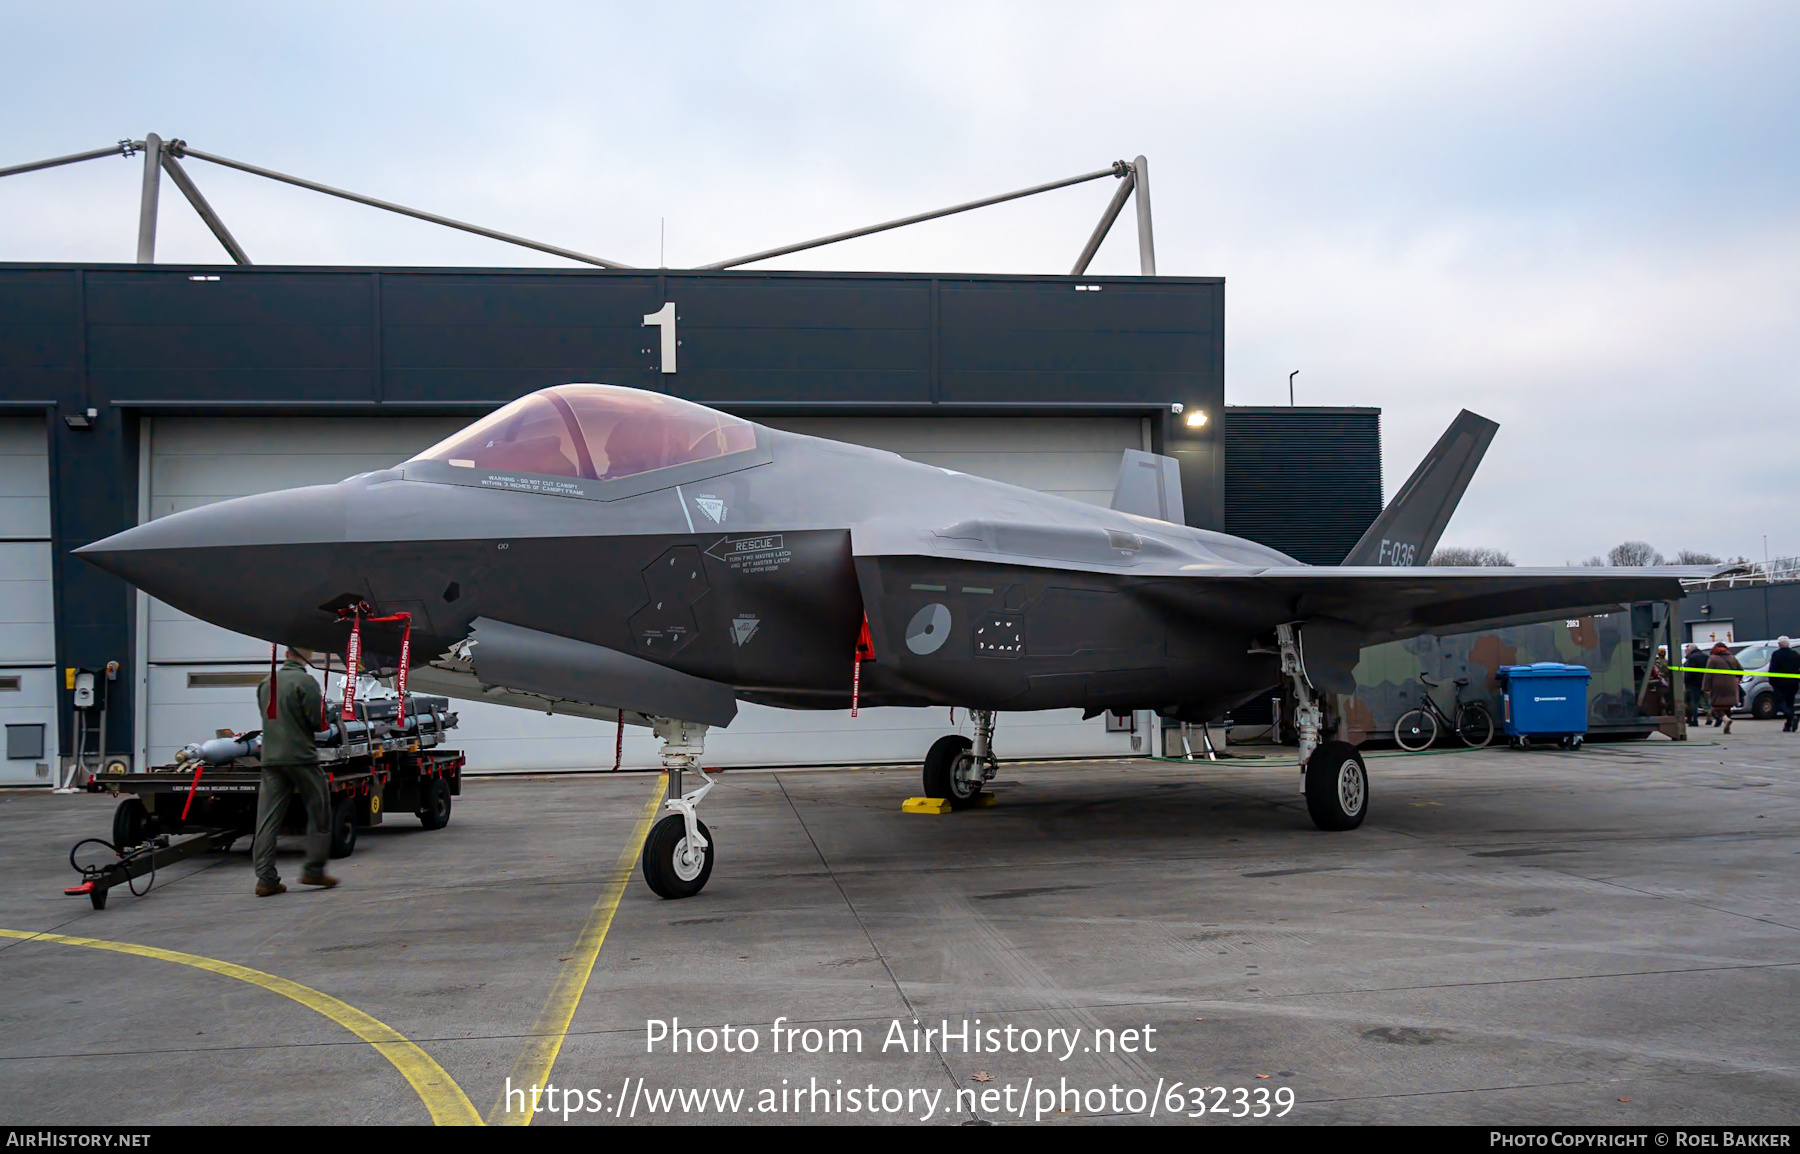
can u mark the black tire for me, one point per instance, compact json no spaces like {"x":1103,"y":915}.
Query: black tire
{"x":1763,"y":708}
{"x":663,"y":871}
{"x":131,"y":824}
{"x":940,"y":772}
{"x":1475,"y":725}
{"x":343,"y":827}
{"x":1415,"y":730}
{"x":1337,"y":786}
{"x":434,"y":804}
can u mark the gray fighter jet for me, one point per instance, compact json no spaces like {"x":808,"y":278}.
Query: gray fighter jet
{"x":611,"y":552}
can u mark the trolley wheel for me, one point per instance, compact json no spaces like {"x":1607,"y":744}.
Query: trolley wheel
{"x":434,"y":804}
{"x":1572,"y":741}
{"x":1337,"y":786}
{"x":131,"y":824}
{"x":1415,"y":730}
{"x":668,"y":869}
{"x":343,"y":827}
{"x":941,"y":779}
{"x":1475,"y":725}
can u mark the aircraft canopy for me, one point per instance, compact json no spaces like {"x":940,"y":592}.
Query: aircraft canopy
{"x":596,"y":432}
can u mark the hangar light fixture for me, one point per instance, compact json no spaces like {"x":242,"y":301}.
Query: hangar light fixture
{"x":1196,"y":419}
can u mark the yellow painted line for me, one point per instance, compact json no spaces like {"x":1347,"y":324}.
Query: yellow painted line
{"x":448,"y":1104}
{"x":545,"y":1042}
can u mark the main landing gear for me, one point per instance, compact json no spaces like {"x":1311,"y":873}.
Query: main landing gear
{"x":1332,"y":774}
{"x":956,"y":768}
{"x":678,"y":854}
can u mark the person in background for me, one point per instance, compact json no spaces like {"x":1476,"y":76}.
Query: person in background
{"x":290,"y":765}
{"x":1785,"y":659}
{"x":1721,"y":684}
{"x":1693,"y":671}
{"x":1656,"y":700}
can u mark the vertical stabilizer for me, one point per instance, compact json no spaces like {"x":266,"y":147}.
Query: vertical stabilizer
{"x":1149,"y":486}
{"x":1407,"y":531}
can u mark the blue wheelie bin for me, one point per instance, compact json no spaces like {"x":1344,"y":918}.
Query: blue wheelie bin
{"x":1545,"y":702}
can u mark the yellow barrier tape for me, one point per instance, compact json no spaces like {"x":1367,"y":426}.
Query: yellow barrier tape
{"x":1731,"y":672}
{"x":538,"y":1057}
{"x":439,"y":1092}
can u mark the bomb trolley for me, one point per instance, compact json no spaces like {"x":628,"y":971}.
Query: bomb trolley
{"x":384,"y":761}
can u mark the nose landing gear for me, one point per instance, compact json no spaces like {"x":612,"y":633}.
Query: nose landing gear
{"x":678,"y":854}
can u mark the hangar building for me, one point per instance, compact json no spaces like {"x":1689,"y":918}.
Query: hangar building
{"x":128,"y":392}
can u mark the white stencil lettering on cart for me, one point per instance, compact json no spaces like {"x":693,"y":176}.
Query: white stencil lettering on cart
{"x":752,"y":554}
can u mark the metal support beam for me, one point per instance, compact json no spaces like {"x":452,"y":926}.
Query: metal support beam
{"x":123,"y":148}
{"x":1140,"y":171}
{"x":1118,"y":169}
{"x":388,"y":206}
{"x":1113,"y":208}
{"x":190,"y":190}
{"x":146,"y":248}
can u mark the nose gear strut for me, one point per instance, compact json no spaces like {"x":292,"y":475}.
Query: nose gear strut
{"x":678,"y":854}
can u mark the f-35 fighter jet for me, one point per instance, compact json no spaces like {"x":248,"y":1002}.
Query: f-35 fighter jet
{"x":612,"y":552}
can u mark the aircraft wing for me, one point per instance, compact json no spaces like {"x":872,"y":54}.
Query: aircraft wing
{"x":1390,"y":603}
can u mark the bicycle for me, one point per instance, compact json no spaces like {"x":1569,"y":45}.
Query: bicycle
{"x":1418,"y":728}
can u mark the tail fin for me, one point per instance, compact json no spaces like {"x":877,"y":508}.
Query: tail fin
{"x":1149,"y":486}
{"x":1407,"y":531}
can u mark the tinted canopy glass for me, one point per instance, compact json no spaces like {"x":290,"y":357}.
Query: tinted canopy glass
{"x":596,"y":432}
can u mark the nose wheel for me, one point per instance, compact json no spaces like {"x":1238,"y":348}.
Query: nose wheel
{"x":678,"y":854}
{"x":674,"y":865}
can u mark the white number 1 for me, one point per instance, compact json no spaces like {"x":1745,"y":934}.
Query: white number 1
{"x":664,"y":319}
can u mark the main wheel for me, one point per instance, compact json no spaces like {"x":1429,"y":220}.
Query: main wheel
{"x":1337,"y":786}
{"x":1415,"y":730}
{"x":343,"y":827}
{"x":434,"y":804}
{"x":669,"y":869}
{"x":1475,"y":725}
{"x":131,"y":824}
{"x":950,"y":771}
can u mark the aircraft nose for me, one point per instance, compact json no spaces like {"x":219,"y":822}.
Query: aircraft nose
{"x":259,"y":565}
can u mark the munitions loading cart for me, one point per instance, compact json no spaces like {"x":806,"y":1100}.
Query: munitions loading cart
{"x":380,"y":762}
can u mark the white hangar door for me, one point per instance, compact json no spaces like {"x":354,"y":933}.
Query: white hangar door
{"x":27,"y":609}
{"x":196,"y":678}
{"x":199,"y":678}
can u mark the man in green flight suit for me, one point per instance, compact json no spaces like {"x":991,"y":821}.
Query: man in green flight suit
{"x":290,"y":765}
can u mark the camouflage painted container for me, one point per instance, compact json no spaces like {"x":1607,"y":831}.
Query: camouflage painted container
{"x":1387,"y":678}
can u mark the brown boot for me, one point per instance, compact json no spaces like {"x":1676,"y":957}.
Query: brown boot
{"x":269,"y":889}
{"x":1728,"y":725}
{"x":323,"y":881}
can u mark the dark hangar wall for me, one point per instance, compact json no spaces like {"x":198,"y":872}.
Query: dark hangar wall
{"x":128,"y":340}
{"x":1306,"y":481}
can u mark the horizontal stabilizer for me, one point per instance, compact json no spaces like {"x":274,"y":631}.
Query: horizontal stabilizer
{"x":1149,"y":486}
{"x":1407,"y":531}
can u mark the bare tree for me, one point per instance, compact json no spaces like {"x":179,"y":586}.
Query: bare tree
{"x":1595,"y":562}
{"x":1632,"y":554}
{"x":1467,"y":555}
{"x":1695,"y":557}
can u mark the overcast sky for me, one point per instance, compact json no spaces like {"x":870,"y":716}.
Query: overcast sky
{"x":1581,"y":220}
